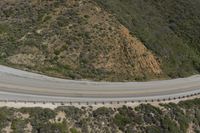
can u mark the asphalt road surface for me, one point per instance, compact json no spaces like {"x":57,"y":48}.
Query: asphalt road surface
{"x":25,"y":86}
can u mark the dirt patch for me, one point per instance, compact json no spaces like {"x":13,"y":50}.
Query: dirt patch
{"x":7,"y":129}
{"x":29,"y":128}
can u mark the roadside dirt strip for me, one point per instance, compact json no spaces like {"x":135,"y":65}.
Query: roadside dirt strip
{"x":21,"y":86}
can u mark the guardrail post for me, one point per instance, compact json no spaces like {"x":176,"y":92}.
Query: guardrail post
{"x":174,"y":98}
{"x":164,"y":100}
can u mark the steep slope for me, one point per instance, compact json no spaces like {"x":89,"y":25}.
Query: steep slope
{"x":170,"y":28}
{"x":72,"y":39}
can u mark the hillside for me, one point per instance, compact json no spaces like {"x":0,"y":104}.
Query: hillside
{"x":72,"y":39}
{"x":183,"y":117}
{"x":170,"y":28}
{"x":111,"y":40}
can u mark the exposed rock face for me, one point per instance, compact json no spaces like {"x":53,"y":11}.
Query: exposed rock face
{"x":76,"y":39}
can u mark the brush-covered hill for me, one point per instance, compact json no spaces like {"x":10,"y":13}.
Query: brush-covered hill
{"x":114,"y":40}
{"x":169,"y":28}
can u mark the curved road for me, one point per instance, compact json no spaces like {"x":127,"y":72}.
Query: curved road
{"x":25,"y":86}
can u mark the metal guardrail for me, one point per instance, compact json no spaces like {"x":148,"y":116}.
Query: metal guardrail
{"x":62,"y":103}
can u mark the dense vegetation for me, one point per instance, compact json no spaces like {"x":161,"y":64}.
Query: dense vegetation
{"x":145,"y":118}
{"x":170,"y":28}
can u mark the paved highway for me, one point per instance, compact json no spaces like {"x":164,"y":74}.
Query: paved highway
{"x":25,"y":86}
